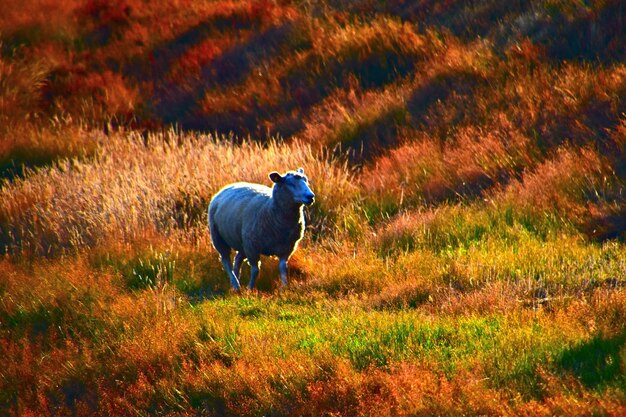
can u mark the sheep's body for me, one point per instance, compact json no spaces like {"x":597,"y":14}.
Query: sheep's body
{"x":245,"y":216}
{"x":257,"y":220}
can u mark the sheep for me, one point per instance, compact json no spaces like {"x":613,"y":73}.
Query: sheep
{"x":257,"y":220}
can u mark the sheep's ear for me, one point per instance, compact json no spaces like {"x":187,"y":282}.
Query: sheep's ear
{"x":275,"y":177}
{"x":301,"y":170}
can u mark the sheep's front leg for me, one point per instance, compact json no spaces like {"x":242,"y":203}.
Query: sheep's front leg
{"x":282,"y":265}
{"x":254,"y":270}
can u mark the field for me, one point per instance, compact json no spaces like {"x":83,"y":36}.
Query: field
{"x":465,"y":255}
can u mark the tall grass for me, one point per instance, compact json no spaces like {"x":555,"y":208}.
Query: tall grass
{"x":135,"y":185}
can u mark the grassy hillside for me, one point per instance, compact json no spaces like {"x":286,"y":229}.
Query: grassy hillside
{"x":465,"y":255}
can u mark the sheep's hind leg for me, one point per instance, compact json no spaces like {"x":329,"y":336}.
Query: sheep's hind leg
{"x":282,"y":265}
{"x":239,"y":257}
{"x":234,"y":281}
{"x":224,"y":250}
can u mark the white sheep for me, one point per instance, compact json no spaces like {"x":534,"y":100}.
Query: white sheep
{"x":257,"y":220}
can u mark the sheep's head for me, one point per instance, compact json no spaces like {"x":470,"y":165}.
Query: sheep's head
{"x":296,"y":184}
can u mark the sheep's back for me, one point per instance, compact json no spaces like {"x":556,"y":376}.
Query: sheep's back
{"x":234,"y":205}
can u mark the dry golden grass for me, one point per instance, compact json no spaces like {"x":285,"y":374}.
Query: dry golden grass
{"x":135,"y":185}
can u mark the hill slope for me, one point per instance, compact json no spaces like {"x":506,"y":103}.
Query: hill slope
{"x":465,"y":255}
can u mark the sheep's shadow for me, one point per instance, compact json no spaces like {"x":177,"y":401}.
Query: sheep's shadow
{"x":199,"y":296}
{"x":268,"y":282}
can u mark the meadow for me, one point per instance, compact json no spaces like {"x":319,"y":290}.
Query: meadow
{"x":465,"y":254}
